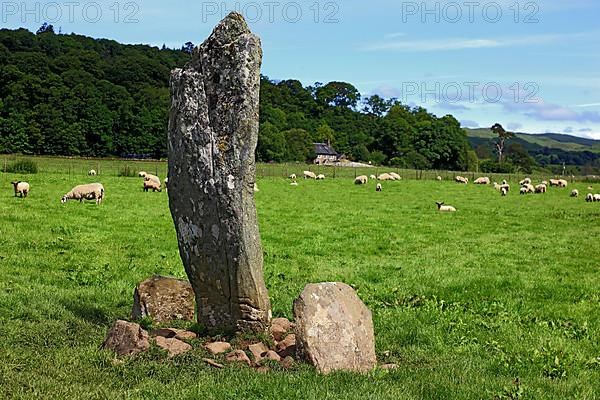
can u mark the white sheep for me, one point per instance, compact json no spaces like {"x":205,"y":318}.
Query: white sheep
{"x":294,"y":183}
{"x":292,"y":177}
{"x":21,"y":188}
{"x":309,"y":175}
{"x":505,"y":186}
{"x":150,"y":177}
{"x":554,"y":182}
{"x":541,"y":188}
{"x":503,"y":191}
{"x":461,"y":179}
{"x":361,"y":180}
{"x":385,"y":177}
{"x":151,"y":184}
{"x":439,"y":178}
{"x":320,"y":177}
{"x":563,"y":183}
{"x":373,"y":177}
{"x":91,"y":191}
{"x":142,"y":174}
{"x":496,"y":186}
{"x":574,"y":193}
{"x":589,"y":197}
{"x":597,"y":197}
{"x":526,"y":181}
{"x":504,"y":182}
{"x":484,"y":180}
{"x":395,"y":176}
{"x":92,"y":172}
{"x":445,"y":208}
{"x":378,"y":187}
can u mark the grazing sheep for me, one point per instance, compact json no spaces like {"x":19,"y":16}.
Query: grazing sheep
{"x":395,"y":176}
{"x":504,"y":182}
{"x":91,"y":191}
{"x":505,"y":186}
{"x":373,"y":177}
{"x":292,"y":177}
{"x":150,"y":184}
{"x":527,"y":188}
{"x":361,"y":180}
{"x":142,"y":174}
{"x":461,"y":179}
{"x":526,"y":181}
{"x":597,"y":197}
{"x":150,"y":177}
{"x":496,"y":186}
{"x":385,"y":177}
{"x":444,"y":208}
{"x":309,"y":175}
{"x":589,"y":197}
{"x":574,"y":193}
{"x":320,"y":177}
{"x":294,"y":183}
{"x":484,"y":180}
{"x":541,"y":188}
{"x":21,"y":188}
{"x":503,"y":190}
{"x":378,"y":187}
{"x":563,"y":183}
{"x":92,"y":172}
{"x":554,"y":182}
{"x":439,"y":178}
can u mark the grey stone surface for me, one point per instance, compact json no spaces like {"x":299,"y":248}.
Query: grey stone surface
{"x":213,"y":132}
{"x":164,"y":299}
{"x":334,"y":329}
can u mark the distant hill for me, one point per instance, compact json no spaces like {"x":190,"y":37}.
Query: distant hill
{"x":550,"y":140}
{"x":547,"y":148}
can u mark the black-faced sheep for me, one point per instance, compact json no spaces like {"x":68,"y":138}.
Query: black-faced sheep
{"x":444,"y":208}
{"x":361,"y":180}
{"x":92,"y":172}
{"x":378,"y":187}
{"x":21,"y":188}
{"x":574,"y":193}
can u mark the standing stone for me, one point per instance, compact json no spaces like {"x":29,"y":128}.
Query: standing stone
{"x":163,"y":299}
{"x":334,"y":329}
{"x":213,"y":131}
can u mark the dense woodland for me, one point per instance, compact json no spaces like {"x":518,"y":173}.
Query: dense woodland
{"x":73,"y":95}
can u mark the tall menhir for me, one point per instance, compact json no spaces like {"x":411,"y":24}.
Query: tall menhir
{"x":213,"y":131}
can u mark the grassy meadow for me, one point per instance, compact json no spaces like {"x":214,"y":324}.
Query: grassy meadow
{"x":500,"y":300}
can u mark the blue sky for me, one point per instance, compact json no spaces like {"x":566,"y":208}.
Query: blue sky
{"x":533,"y":70}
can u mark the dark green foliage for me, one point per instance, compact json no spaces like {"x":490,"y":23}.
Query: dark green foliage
{"x":74,"y":95}
{"x":22,"y":167}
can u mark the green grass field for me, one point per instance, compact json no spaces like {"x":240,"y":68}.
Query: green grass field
{"x":464,"y":303}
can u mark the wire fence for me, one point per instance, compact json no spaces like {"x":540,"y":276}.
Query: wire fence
{"x":79,"y":166}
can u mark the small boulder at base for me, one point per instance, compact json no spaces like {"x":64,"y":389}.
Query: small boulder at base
{"x":238,"y":356}
{"x":280,"y":327}
{"x":172,"y":346}
{"x":168,"y":333}
{"x":257,"y":350}
{"x":126,"y":339}
{"x":287,"y":347}
{"x":334,"y":329}
{"x":217,"y":347}
{"x":163,"y":299}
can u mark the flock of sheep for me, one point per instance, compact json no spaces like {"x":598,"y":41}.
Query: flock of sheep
{"x":95,"y":191}
{"x":91,"y":191}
